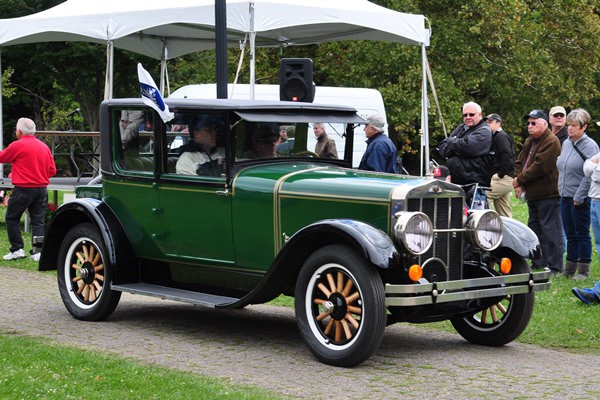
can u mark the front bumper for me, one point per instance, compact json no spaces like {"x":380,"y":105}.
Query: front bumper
{"x":465,"y":289}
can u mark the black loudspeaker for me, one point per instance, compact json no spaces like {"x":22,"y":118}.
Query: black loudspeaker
{"x":296,"y":80}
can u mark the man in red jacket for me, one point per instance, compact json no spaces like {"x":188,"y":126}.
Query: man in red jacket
{"x":32,"y":167}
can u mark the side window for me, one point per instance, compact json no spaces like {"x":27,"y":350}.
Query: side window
{"x":196,"y":145}
{"x":134,"y":148}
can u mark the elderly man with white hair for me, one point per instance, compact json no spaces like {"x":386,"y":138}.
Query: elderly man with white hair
{"x":468,"y":150}
{"x":32,"y":167}
{"x":381,"y":153}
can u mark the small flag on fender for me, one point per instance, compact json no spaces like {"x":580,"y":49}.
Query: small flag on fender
{"x":151,"y":94}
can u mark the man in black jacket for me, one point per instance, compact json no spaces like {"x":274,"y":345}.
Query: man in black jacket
{"x":504,"y":166}
{"x":468,"y":149}
{"x":558,"y":122}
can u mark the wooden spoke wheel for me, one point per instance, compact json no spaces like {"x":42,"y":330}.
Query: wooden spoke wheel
{"x":340,"y":306}
{"x":506,"y":319}
{"x":84,"y":275}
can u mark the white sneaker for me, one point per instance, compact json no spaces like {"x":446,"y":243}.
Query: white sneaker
{"x":15,"y":255}
{"x":35,"y":257}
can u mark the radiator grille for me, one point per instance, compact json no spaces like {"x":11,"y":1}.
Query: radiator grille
{"x":445,"y":213}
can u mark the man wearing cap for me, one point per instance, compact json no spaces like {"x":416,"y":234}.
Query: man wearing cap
{"x":504,"y":166}
{"x":536,"y":176}
{"x":558,"y":123}
{"x":468,"y":149}
{"x":381,"y":153}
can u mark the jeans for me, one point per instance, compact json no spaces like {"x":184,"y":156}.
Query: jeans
{"x":545,"y":221}
{"x":576,"y":223}
{"x":33,"y":199}
{"x":595,"y":213}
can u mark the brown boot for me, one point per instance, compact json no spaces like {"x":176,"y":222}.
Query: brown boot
{"x":570,"y":269}
{"x":583,"y":271}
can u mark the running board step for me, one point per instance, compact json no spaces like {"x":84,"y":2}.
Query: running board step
{"x":186,"y":296}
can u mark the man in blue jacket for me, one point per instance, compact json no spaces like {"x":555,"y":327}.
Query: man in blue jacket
{"x":381,"y":153}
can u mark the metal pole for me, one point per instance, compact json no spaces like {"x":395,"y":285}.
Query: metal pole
{"x":163,"y":66}
{"x":252,"y":48}
{"x":221,"y":47}
{"x":424,"y":116}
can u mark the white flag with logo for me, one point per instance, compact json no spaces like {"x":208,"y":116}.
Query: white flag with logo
{"x":151,"y":94}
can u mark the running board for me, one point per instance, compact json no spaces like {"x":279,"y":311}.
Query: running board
{"x":186,"y":296}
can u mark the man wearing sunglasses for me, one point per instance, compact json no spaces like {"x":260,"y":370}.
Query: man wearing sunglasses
{"x":558,"y":119}
{"x":468,"y":149}
{"x":536,"y":175}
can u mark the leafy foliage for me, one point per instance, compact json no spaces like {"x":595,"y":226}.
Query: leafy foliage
{"x":510,"y":56}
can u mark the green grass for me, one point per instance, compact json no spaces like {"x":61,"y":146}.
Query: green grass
{"x":31,"y":369}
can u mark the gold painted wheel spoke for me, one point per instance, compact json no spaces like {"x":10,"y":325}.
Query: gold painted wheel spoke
{"x":494,"y":315}
{"x":322,"y":315}
{"x":80,"y":257}
{"x":347,"y":287}
{"x":353,"y":297}
{"x":325,"y":291}
{"x":355,"y":310}
{"x":347,"y":331}
{"x":331,"y":282}
{"x":98,"y":267}
{"x":352,"y":320}
{"x":319,"y":301}
{"x":329,"y":326}
{"x":338,"y":331}
{"x":100,"y":277}
{"x":86,"y":253}
{"x":340,"y":281}
{"x":501,"y":308}
{"x":75,"y":266}
{"x":484,"y":316}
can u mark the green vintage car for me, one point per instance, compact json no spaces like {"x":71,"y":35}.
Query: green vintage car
{"x":212,"y":210}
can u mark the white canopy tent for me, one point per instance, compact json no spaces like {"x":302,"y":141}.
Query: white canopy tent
{"x":164,"y":30}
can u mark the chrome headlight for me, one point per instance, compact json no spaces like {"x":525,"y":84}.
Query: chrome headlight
{"x":414,"y":231}
{"x":485,"y":229}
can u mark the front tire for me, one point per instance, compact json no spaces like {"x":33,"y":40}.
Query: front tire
{"x":84,"y":275}
{"x":505,"y":320}
{"x":340,"y":306}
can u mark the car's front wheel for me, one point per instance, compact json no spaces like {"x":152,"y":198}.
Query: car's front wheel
{"x":504,"y":320}
{"x":340,"y":306}
{"x":84,"y":275}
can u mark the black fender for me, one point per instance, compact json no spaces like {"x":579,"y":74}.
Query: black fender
{"x":96,"y":212}
{"x":377,"y":247}
{"x":375,"y":244}
{"x":519,"y":237}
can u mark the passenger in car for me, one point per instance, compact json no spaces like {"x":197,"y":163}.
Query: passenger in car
{"x":264,"y":143}
{"x":201,"y":156}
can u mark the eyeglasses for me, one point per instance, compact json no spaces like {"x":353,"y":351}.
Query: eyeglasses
{"x":469,"y":115}
{"x":558,"y":115}
{"x":532,"y":123}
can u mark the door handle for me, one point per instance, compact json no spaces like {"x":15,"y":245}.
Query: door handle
{"x":223,"y":192}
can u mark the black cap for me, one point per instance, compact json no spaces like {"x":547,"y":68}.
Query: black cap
{"x":537,"y":114}
{"x":494,"y":117}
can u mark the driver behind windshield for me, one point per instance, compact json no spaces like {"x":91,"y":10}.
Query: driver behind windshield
{"x":201,"y":156}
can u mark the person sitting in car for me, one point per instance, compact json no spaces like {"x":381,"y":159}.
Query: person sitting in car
{"x":264,"y":143}
{"x":201,"y":156}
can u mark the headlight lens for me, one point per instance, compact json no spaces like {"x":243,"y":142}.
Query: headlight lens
{"x":485,"y":228}
{"x":414,"y":231}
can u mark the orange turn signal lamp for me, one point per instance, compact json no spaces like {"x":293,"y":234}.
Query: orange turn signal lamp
{"x":415,"y":272}
{"x":505,"y":266}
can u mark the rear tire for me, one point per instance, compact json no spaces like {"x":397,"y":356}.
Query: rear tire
{"x":340,"y":306}
{"x":505,"y":320}
{"x":84,"y":275}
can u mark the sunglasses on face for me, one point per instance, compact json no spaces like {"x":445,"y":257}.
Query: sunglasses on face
{"x":532,"y":123}
{"x":469,"y":115}
{"x":558,"y":115}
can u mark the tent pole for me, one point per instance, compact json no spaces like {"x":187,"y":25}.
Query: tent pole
{"x":1,"y":117}
{"x":424,"y":116}
{"x":163,"y":66}
{"x":252,"y":55}
{"x":108,"y":83}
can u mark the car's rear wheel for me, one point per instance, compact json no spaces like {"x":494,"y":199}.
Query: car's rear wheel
{"x":504,"y":320}
{"x":340,"y":306}
{"x":84,"y":275}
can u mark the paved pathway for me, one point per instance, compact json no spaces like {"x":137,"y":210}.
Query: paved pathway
{"x":261,"y":346}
